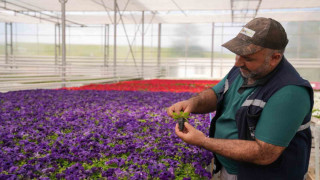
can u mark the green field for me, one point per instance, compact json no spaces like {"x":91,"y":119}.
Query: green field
{"x":34,"y":49}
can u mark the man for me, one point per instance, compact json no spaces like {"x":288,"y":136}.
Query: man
{"x":263,"y":110}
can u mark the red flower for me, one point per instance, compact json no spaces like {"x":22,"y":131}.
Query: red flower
{"x":153,"y":85}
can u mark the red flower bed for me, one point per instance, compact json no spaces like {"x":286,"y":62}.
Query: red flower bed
{"x":153,"y":85}
{"x":315,"y":85}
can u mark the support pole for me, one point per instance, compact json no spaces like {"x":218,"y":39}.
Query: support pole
{"x":186,"y":47}
{"x":212,"y":50}
{"x":8,"y":52}
{"x":6,"y":42}
{"x":115,"y":41}
{"x":299,"y":39}
{"x":37,"y":39}
{"x":142,"y":50}
{"x":106,"y":45}
{"x":55,"y":45}
{"x":222,"y":33}
{"x":63,"y":19}
{"x":317,"y":142}
{"x":11,"y":40}
{"x":159,"y":50}
{"x":59,"y":42}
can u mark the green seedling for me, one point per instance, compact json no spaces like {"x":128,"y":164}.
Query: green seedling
{"x":181,"y":118}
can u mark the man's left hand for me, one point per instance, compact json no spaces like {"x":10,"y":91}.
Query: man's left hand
{"x":190,"y":135}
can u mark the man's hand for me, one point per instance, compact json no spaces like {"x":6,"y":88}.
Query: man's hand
{"x":257,"y":152}
{"x":204,"y":102}
{"x":185,"y":106}
{"x":190,"y":135}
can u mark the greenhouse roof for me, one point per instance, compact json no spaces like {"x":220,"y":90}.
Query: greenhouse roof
{"x":86,"y":12}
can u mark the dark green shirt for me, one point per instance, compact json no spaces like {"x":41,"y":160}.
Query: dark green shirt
{"x":279,"y":120}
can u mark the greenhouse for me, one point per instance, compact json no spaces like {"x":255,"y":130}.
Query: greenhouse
{"x":86,"y":85}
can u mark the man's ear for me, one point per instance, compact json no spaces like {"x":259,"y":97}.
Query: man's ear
{"x":275,"y":58}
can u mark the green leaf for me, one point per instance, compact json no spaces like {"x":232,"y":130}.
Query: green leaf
{"x":182,"y":114}
{"x":185,"y":115}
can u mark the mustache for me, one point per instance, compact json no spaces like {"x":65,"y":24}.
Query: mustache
{"x":245,"y":68}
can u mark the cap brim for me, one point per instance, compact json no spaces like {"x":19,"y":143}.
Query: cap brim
{"x":241,"y":47}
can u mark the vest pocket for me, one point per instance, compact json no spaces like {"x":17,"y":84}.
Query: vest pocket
{"x":252,"y":120}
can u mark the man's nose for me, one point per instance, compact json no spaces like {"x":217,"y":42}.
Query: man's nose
{"x":239,"y":61}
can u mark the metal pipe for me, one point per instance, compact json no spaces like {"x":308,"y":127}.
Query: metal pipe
{"x":299,"y":39}
{"x":106,"y":45}
{"x":222,"y":33}
{"x":59,"y":42}
{"x":6,"y":42}
{"x":38,"y":11}
{"x":159,"y":48}
{"x":37,"y":39}
{"x":55,"y":45}
{"x":212,"y":49}
{"x":186,"y":47}
{"x":11,"y":41}
{"x":232,"y":11}
{"x":63,"y":19}
{"x":257,"y":9}
{"x":115,"y":41}
{"x":130,"y":44}
{"x":142,"y":46}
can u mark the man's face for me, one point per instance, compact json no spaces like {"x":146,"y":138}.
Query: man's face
{"x":254,"y":66}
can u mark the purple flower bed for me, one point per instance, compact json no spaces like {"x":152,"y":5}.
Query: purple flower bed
{"x":59,"y":134}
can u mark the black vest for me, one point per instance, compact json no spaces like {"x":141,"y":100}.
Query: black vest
{"x":293,"y":162}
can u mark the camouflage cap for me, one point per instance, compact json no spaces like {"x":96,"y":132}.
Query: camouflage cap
{"x":257,"y":34}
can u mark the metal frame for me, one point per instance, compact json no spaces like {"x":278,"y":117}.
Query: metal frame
{"x":57,"y":43}
{"x":244,"y":11}
{"x":8,"y":46}
{"x":63,"y":58}
{"x":212,"y":49}
{"x":40,"y":12}
{"x":159,"y":48}
{"x":115,"y":41}
{"x":106,"y":45}
{"x":142,"y":46}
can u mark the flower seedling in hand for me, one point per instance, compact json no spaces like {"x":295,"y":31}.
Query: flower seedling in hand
{"x":181,"y":118}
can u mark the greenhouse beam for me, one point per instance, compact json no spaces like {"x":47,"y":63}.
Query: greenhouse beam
{"x":142,"y":45}
{"x":41,"y":13}
{"x":6,"y":42}
{"x":8,"y":54}
{"x":130,"y":44}
{"x":159,"y":48}
{"x":57,"y":43}
{"x":106,"y":45}
{"x":115,"y":41}
{"x":11,"y":41}
{"x":63,"y":19}
{"x":212,"y":49}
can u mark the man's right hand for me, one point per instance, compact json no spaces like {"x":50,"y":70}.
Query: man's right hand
{"x":185,"y":106}
{"x":204,"y":102}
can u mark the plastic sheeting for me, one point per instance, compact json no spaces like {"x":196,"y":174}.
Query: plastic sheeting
{"x":158,"y":11}
{"x":159,"y":5}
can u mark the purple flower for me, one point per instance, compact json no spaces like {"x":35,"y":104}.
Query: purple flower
{"x":86,"y":134}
